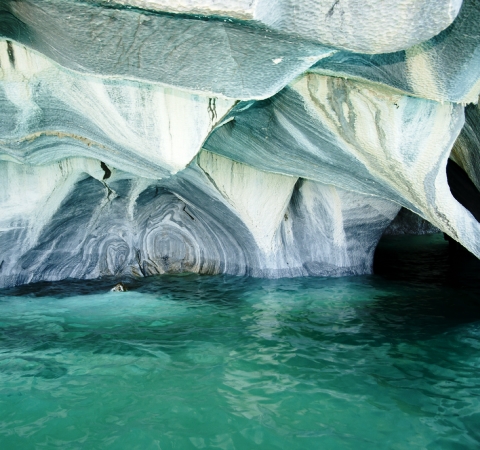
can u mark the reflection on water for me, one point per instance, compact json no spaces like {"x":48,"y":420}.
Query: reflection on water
{"x":384,"y":361}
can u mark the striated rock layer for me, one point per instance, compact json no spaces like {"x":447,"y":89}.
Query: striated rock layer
{"x":444,"y":68}
{"x":141,"y":137}
{"x":359,"y":25}
{"x":213,"y":58}
{"x":83,"y":226}
{"x":48,"y":114}
{"x":345,"y":133}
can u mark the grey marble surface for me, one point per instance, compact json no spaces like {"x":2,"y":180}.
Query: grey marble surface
{"x":444,"y":68}
{"x":48,"y":113}
{"x":369,"y":26}
{"x":130,"y":226}
{"x":209,"y":57}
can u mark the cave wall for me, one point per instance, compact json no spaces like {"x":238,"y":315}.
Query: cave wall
{"x":269,"y":139}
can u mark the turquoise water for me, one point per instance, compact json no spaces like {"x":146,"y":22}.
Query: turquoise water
{"x":183,"y":362}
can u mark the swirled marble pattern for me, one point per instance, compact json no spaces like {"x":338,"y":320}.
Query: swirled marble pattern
{"x":345,"y":133}
{"x":48,"y":114}
{"x":132,"y":226}
{"x":444,"y":68}
{"x":142,"y":137}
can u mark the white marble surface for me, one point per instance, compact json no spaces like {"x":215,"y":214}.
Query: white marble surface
{"x":49,"y":113}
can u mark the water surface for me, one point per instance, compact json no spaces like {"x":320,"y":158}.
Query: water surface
{"x":184,"y":362}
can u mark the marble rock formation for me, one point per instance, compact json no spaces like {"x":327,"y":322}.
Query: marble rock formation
{"x":260,"y":138}
{"x":444,"y":68}
{"x":214,"y":58}
{"x":342,"y":132}
{"x":197,"y":221}
{"x":366,"y":26}
{"x":48,"y":114}
{"x":409,"y":223}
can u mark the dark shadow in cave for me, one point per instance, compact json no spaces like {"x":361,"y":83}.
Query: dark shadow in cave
{"x":430,"y":290}
{"x":466,"y":193}
{"x":429,"y":260}
{"x":463,"y":189}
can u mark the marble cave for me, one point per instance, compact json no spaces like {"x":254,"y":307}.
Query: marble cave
{"x":268,"y":138}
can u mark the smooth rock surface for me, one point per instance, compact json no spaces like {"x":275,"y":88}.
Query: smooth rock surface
{"x":359,"y":25}
{"x":48,"y":114}
{"x":444,"y":68}
{"x":260,"y":198}
{"x":345,"y":133}
{"x":333,"y":232}
{"x":212,"y":58}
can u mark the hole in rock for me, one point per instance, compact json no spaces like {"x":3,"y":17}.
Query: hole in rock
{"x":463,"y":189}
{"x":107,"y":171}
{"x":413,"y":250}
{"x":446,"y":283}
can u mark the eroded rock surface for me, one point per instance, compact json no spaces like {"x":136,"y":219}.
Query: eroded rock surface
{"x":444,"y":68}
{"x":358,"y":25}
{"x":49,"y":113}
{"x":213,"y":58}
{"x":345,"y":133}
{"x":81,"y":226}
{"x":141,"y":137}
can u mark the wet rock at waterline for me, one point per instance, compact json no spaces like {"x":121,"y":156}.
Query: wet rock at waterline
{"x":196,"y":221}
{"x":149,"y":137}
{"x":119,"y":287}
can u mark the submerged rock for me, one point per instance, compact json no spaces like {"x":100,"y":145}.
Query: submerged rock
{"x":119,"y":287}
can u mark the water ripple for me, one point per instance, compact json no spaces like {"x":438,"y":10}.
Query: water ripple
{"x":235,"y":363}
